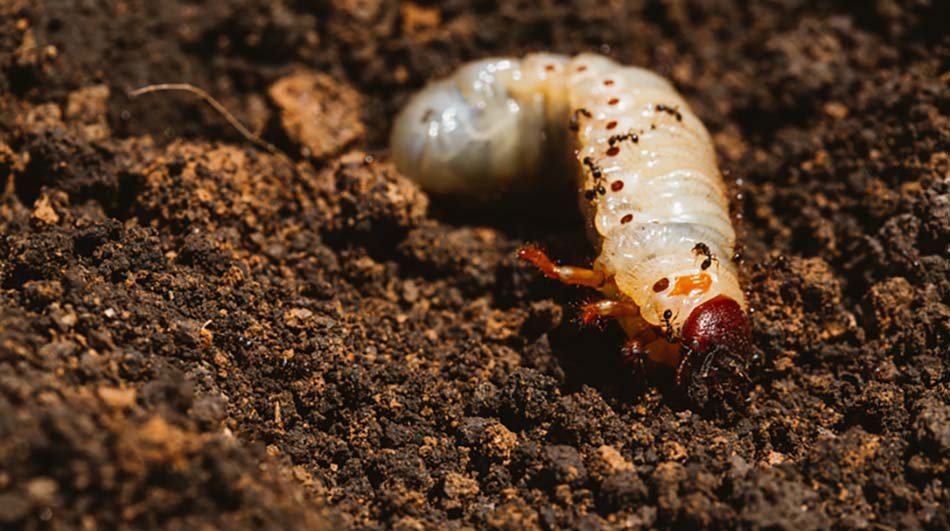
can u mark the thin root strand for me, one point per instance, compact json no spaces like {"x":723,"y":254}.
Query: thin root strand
{"x":217,"y":106}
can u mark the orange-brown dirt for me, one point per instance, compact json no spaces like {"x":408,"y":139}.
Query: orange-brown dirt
{"x":195,"y":332}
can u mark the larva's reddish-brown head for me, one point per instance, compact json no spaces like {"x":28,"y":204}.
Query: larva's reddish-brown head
{"x":717,"y":342}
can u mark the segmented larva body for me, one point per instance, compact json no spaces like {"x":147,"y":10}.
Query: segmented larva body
{"x":649,"y":185}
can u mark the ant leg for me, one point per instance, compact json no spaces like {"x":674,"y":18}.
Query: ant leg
{"x":592,"y":312}
{"x":566,"y":274}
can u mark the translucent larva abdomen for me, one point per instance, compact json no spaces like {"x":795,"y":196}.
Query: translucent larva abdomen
{"x":485,"y":128}
{"x":647,"y":177}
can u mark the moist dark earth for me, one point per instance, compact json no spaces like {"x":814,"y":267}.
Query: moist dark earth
{"x":198,"y":332}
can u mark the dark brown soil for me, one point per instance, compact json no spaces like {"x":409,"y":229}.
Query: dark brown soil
{"x":195,"y":332}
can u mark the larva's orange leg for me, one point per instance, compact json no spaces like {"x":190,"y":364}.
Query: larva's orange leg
{"x":567,"y":274}
{"x":594,"y":311}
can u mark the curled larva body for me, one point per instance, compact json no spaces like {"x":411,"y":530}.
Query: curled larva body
{"x":648,"y":180}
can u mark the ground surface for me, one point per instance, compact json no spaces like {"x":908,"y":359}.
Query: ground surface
{"x":194,"y":331}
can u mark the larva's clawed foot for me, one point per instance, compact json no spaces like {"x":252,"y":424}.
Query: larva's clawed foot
{"x":578,"y":276}
{"x":635,"y":357}
{"x":533,"y":254}
{"x":593,"y":312}
{"x":590,"y":316}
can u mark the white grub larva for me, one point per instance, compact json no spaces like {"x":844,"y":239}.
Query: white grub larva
{"x":649,"y":186}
